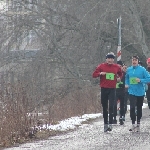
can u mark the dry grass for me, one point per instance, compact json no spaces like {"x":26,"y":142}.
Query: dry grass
{"x":18,"y":125}
{"x":77,"y":103}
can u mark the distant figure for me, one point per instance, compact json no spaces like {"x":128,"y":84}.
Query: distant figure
{"x":148,"y":85}
{"x":136,"y":75}
{"x":109,"y":73}
{"x":120,"y":95}
{"x":126,"y":96}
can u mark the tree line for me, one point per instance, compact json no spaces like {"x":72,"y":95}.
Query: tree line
{"x":70,"y":38}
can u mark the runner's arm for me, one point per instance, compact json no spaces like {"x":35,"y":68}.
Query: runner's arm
{"x":97,"y":72}
{"x":119,"y":73}
{"x":146,"y":77}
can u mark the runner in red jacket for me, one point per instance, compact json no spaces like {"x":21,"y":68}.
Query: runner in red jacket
{"x":109,"y":74}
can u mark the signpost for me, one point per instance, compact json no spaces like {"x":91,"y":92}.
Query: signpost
{"x":119,"y":55}
{"x":119,"y":39}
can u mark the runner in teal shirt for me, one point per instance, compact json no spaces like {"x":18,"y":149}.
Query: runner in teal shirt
{"x":135,"y":78}
{"x":132,"y":75}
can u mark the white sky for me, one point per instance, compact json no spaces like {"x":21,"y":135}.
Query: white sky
{"x":63,"y":125}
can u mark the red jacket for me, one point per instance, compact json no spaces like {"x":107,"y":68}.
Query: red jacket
{"x":108,"y":68}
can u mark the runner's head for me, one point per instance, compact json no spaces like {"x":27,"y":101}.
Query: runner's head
{"x":135,"y":60}
{"x":110,"y":58}
{"x":120,"y":63}
{"x":124,"y":67}
{"x":148,"y":62}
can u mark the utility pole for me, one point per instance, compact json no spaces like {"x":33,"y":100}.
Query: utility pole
{"x":119,"y":54}
{"x":119,"y":39}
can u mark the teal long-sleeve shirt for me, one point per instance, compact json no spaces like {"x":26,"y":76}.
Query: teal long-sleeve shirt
{"x":133,"y":72}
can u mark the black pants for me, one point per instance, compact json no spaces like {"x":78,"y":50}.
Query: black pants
{"x":136,"y":101}
{"x":107,"y":95}
{"x":120,"y":94}
{"x":148,"y":97}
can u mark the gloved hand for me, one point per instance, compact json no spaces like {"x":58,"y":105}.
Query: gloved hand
{"x":121,"y":85}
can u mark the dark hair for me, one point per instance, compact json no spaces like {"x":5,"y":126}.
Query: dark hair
{"x":120,"y":62}
{"x":135,"y":56}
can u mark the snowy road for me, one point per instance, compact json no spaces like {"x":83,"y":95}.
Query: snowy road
{"x":91,"y":137}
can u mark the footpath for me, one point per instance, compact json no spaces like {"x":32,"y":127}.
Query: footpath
{"x":91,"y":136}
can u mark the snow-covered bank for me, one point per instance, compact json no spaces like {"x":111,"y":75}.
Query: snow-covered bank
{"x":72,"y":122}
{"x":63,"y":125}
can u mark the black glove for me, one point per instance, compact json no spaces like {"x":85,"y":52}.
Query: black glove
{"x":121,"y":85}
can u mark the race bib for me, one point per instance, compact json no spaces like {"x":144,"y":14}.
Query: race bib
{"x":133,"y":80}
{"x":110,"y":76}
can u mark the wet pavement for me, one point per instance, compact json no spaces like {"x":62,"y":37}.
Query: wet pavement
{"x":91,"y":137}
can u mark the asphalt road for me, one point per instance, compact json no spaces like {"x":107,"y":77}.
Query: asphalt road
{"x":91,"y":137}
